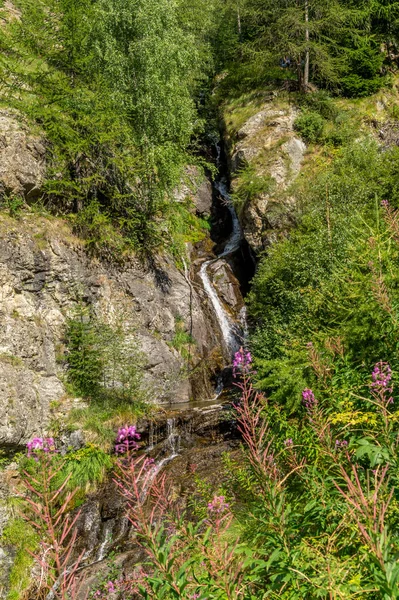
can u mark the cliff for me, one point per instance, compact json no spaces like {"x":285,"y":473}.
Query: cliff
{"x":46,"y":273}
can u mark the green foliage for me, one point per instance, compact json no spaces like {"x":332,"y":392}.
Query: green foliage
{"x":103,"y":360}
{"x":320,"y":102}
{"x":345,"y":42}
{"x":104,"y":414}
{"x":182,"y":340}
{"x":310,"y":125}
{"x":105,"y":365}
{"x":84,"y":360}
{"x":86,"y":467}
{"x":184,"y":226}
{"x":334,"y":278}
{"x":250,"y":185}
{"x":12,"y":203}
{"x":20,"y":537}
{"x":111,"y":84}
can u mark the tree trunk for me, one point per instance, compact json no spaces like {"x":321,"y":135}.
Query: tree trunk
{"x":300,"y":75}
{"x":306,"y":70}
{"x":239,"y":24}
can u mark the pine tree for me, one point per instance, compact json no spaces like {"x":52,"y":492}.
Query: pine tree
{"x":302,"y":34}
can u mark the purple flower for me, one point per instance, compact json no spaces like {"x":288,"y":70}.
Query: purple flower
{"x":382,"y":375}
{"x":339,"y":444}
{"x":241,"y":362}
{"x":288,"y":443}
{"x":126,"y":439}
{"x":381,"y":385}
{"x":148,"y":463}
{"x":111,"y":587}
{"x":384,"y":203}
{"x":308,"y":399}
{"x":38,"y":445}
{"x":217,"y":505}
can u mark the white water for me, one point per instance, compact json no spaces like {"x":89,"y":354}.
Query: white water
{"x":172,"y":443}
{"x":226,"y":325}
{"x":107,"y":539}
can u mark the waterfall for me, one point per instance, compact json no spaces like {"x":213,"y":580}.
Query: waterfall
{"x":227,"y":326}
{"x":107,"y":539}
{"x":172,"y":445}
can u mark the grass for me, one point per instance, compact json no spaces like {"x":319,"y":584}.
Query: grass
{"x":184,"y":227}
{"x":10,"y":359}
{"x":22,"y":538}
{"x":182,"y":341}
{"x":103,"y":416}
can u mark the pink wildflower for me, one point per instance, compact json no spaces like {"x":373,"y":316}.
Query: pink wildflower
{"x":241,"y":362}
{"x":38,"y":445}
{"x":217,"y":505}
{"x":308,"y":399}
{"x":126,"y":439}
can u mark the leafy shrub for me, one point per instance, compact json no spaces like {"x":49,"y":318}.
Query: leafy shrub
{"x":250,"y":185}
{"x":319,"y":102}
{"x":355,"y":86}
{"x":182,"y":340}
{"x":310,"y":125}
{"x":341,"y":131}
{"x":103,"y":360}
{"x":85,"y":467}
{"x":322,"y":283}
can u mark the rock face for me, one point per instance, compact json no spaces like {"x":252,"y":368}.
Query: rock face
{"x":44,"y":274}
{"x":197,"y":188}
{"x":267,"y":142}
{"x":226,"y":285}
{"x":22,"y":157}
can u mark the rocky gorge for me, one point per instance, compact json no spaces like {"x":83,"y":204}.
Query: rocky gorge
{"x":46,"y":272}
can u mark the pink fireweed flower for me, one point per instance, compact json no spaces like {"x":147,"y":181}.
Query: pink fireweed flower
{"x":217,"y":505}
{"x":149,"y":463}
{"x":38,"y":445}
{"x":111,"y":587}
{"x":381,"y":385}
{"x":126,"y":439}
{"x":381,"y":375}
{"x":242,"y":361}
{"x":340,"y":444}
{"x":308,"y":399}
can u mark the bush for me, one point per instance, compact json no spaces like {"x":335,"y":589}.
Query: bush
{"x":250,"y":185}
{"x":335,"y":277}
{"x":310,"y":125}
{"x":103,"y":360}
{"x":319,"y":102}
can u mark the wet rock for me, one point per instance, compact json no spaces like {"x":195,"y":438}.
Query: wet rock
{"x":226,"y":285}
{"x":22,"y":157}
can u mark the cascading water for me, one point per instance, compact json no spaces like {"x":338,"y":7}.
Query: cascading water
{"x":227,"y":326}
{"x":172,"y":446}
